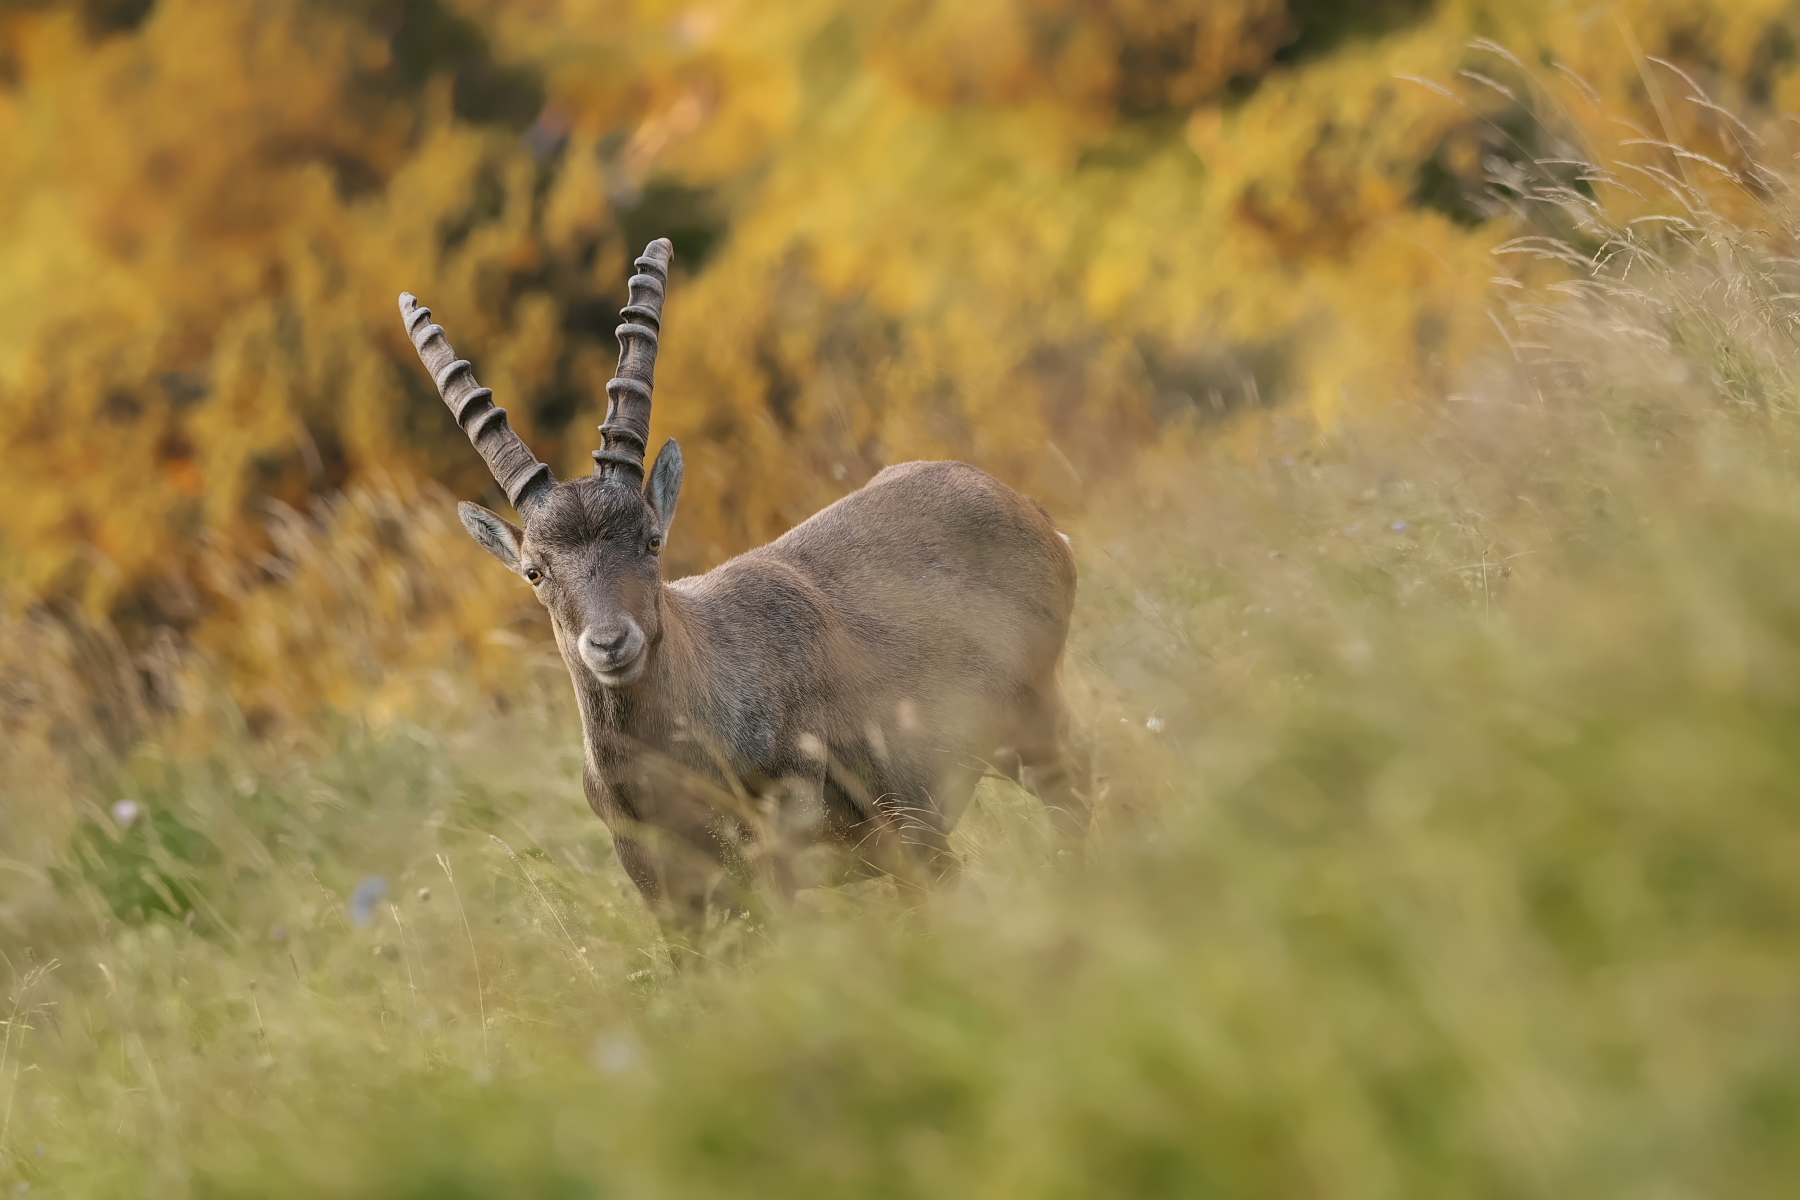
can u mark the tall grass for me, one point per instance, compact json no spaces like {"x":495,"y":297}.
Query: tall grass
{"x":1446,"y":846}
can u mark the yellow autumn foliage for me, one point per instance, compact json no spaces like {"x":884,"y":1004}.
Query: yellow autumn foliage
{"x":1039,"y":235}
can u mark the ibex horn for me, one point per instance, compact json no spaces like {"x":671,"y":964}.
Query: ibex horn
{"x":627,"y":429}
{"x":524,"y":479}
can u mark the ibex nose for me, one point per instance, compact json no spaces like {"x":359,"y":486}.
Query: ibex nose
{"x":606,"y":642}
{"x":612,"y":650}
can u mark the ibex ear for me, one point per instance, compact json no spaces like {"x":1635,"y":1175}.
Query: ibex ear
{"x":494,"y":533}
{"x":664,"y":486}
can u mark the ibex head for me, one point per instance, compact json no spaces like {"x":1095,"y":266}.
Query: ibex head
{"x":591,"y":548}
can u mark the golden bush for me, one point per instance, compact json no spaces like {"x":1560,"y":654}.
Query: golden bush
{"x":1036,"y":234}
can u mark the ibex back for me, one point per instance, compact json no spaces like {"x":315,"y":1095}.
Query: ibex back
{"x":844,"y":686}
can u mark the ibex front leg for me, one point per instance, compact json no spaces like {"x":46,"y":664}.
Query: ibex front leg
{"x":668,"y":841}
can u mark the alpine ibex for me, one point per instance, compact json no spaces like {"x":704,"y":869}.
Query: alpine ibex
{"x":847,"y":683}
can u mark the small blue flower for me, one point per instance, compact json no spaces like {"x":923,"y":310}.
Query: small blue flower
{"x":1402,"y":527}
{"x":125,"y":812}
{"x":362,"y":900}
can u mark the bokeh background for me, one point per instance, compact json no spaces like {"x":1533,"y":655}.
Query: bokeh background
{"x":1032,"y":235}
{"x":1415,"y":378}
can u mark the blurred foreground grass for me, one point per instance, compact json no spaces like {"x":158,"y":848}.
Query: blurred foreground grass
{"x":1447,"y":848}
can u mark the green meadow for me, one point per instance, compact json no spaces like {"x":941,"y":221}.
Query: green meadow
{"x":1448,"y":844}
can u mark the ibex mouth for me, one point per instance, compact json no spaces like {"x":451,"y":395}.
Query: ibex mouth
{"x":624,"y":673}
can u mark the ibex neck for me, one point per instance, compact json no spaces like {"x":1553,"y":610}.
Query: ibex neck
{"x":676,"y":665}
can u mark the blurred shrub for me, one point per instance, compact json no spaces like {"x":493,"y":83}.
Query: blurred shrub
{"x":1037,"y":234}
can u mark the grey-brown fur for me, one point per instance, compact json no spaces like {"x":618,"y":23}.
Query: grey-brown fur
{"x":844,"y":685}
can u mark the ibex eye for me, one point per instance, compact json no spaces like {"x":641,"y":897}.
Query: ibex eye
{"x":655,"y":543}
{"x":533,"y":574}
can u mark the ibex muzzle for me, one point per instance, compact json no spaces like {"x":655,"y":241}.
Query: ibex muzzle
{"x":846,"y":684}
